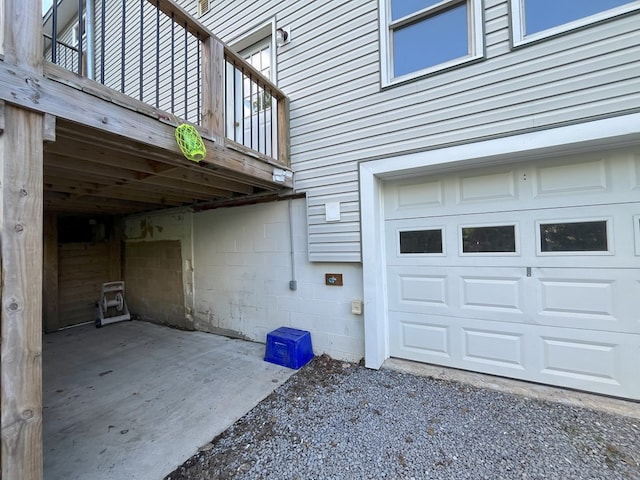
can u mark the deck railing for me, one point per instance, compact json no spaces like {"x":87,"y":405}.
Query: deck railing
{"x":154,"y":51}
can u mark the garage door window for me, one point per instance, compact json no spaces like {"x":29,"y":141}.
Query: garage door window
{"x":489,"y":239}
{"x":421,"y":241}
{"x":574,"y":237}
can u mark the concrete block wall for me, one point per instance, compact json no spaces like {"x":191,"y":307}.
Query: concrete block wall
{"x":242,"y":270}
{"x":236,"y":269}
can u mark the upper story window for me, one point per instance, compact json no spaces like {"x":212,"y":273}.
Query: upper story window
{"x":535,"y":19}
{"x":423,"y":36}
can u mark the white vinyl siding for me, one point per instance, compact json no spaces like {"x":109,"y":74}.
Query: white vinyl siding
{"x":340,"y":116}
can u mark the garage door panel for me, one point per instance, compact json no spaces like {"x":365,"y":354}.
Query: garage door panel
{"x":572,"y":179}
{"x":530,"y":270}
{"x":580,"y":360}
{"x":557,"y":356}
{"x":422,"y":336}
{"x":496,"y":186}
{"x":595,"y":299}
{"x":492,"y":293}
{"x":423,"y":290}
{"x":604,"y":362}
{"x":493,"y":347}
{"x":583,"y":298}
{"x":468,"y":343}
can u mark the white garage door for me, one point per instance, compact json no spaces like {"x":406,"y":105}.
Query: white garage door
{"x":529,"y":271}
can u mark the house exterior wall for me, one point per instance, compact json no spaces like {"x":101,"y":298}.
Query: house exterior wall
{"x":237,"y":266}
{"x":341,"y":116}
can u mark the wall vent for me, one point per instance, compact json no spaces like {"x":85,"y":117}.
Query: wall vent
{"x":203,"y":7}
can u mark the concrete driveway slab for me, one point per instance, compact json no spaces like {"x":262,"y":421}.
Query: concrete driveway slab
{"x":134,"y":400}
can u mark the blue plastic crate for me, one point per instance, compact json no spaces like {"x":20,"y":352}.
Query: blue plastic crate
{"x":289,"y":347}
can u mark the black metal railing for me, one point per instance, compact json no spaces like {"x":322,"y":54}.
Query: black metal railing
{"x":65,"y":55}
{"x":153,"y":51}
{"x":251,"y":108}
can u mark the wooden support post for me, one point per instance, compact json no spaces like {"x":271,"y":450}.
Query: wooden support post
{"x":50,"y":273}
{"x":283,"y":132}
{"x":21,"y":233}
{"x":21,"y":177}
{"x":213,"y":79}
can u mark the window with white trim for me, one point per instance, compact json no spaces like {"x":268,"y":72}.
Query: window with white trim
{"x":535,"y":19}
{"x":424,"y":36}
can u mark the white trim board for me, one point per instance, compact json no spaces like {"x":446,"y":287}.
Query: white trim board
{"x":596,"y":135}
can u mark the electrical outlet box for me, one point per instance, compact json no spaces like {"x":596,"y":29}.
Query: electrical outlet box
{"x":356,"y":307}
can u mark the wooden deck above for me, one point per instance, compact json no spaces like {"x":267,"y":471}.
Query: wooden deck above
{"x":108,"y":153}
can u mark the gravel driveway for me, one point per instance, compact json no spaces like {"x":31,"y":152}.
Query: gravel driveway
{"x":343,"y":421}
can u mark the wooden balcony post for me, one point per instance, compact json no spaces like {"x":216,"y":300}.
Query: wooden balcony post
{"x":283,"y":132}
{"x":213,"y":79}
{"x":21,"y":204}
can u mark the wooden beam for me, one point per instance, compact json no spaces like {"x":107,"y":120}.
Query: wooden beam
{"x":21,"y":227}
{"x":45,"y":95}
{"x":50,"y":278}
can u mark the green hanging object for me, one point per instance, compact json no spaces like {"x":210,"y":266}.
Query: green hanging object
{"x":190,"y":142}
